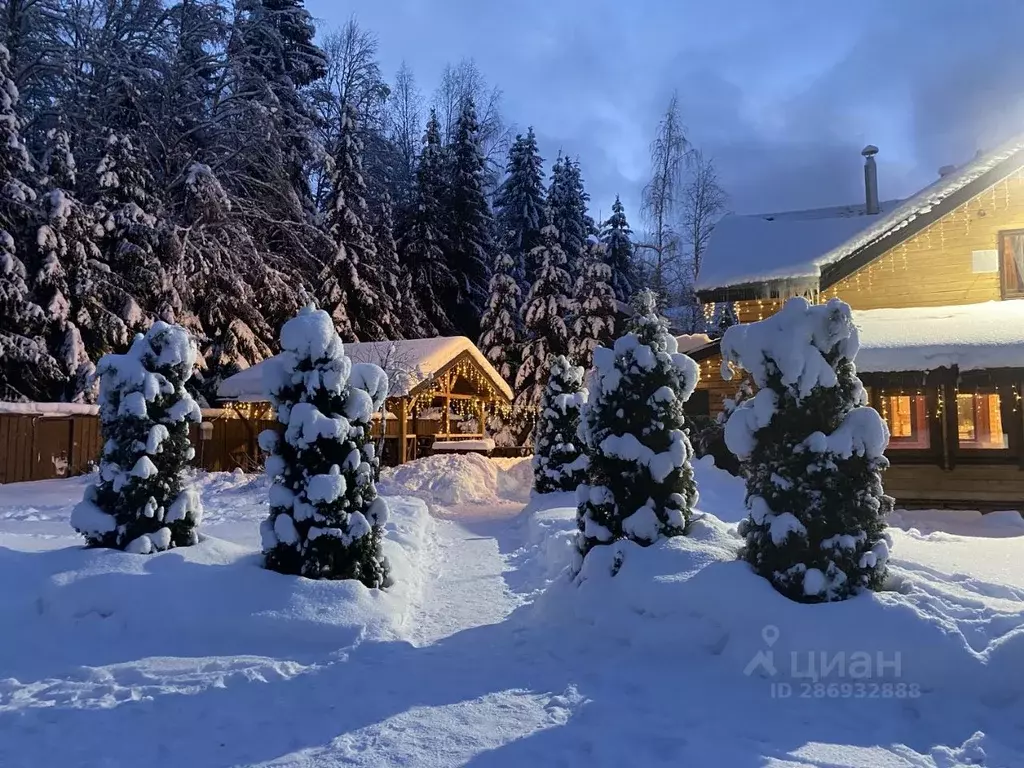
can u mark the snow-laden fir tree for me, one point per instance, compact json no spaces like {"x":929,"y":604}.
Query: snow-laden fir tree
{"x":566,"y":210}
{"x":352,"y":283}
{"x":69,"y":284}
{"x":224,"y":264}
{"x":619,"y":255}
{"x":326,"y":519}
{"x":133,"y":236}
{"x":59,"y":164}
{"x":143,"y":501}
{"x":27,"y":369}
{"x":545,"y":328}
{"x":519,"y":205}
{"x":813,"y":454}
{"x":559,"y":462}
{"x":422,"y":247}
{"x":594,"y":309}
{"x":396,"y":283}
{"x":501,"y":335}
{"x":470,"y":246}
{"x":640,"y":483}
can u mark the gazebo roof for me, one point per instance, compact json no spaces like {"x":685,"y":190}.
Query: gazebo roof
{"x":411,"y":365}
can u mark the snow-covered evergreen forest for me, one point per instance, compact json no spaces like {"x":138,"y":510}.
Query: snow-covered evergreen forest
{"x":219,"y":165}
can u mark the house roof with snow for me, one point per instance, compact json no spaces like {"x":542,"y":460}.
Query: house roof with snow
{"x":969,"y":337}
{"x":411,"y":365}
{"x":750,"y":257}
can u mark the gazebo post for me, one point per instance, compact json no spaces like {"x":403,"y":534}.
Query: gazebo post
{"x":403,"y":431}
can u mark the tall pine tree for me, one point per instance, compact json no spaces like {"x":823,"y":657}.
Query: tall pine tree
{"x":423,"y":245}
{"x":520,"y":205}
{"x":353,"y":286}
{"x":470,"y":249}
{"x":500,"y":331}
{"x":27,"y":370}
{"x":547,"y":335}
{"x":134,"y":235}
{"x":619,"y":255}
{"x":222,"y":262}
{"x":566,"y":207}
{"x":397,"y":283}
{"x":594,"y":309}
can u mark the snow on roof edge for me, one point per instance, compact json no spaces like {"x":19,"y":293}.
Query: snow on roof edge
{"x":876,"y":229}
{"x":420,"y":360}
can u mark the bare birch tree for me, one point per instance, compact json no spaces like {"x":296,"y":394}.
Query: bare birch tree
{"x":670,"y":152}
{"x":703,"y":203}
{"x":405,"y":118}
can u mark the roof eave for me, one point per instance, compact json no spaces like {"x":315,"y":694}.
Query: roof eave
{"x":860,"y":258}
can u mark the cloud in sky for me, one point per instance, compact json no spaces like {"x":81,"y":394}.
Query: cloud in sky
{"x":782,"y":93}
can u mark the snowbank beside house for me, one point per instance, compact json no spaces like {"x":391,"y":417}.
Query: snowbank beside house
{"x":460,"y":479}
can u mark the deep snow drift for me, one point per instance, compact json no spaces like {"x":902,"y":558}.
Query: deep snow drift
{"x":485,"y":654}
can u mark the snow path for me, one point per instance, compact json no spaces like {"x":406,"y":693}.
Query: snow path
{"x":463,"y":587}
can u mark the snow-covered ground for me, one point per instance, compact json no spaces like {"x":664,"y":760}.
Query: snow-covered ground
{"x":484,"y":654}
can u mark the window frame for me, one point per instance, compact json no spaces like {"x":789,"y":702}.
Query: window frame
{"x":914,"y":386}
{"x":1004,"y":293}
{"x":987,"y":383}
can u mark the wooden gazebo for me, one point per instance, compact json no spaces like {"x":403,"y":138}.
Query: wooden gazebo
{"x":441,"y":392}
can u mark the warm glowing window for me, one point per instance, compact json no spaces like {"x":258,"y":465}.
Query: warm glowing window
{"x":1012,"y":263}
{"x":980,"y":422}
{"x":907,"y":418}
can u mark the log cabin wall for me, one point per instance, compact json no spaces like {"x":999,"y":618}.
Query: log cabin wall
{"x":948,"y":263}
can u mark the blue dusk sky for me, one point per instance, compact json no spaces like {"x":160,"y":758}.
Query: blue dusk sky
{"x":783,"y":94}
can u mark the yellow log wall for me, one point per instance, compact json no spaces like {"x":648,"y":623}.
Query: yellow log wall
{"x":935,"y":266}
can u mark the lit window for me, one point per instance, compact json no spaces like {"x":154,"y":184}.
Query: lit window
{"x":979,"y":421}
{"x":907,"y":418}
{"x":1012,"y":264}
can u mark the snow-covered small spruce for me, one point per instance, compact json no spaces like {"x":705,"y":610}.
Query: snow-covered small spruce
{"x":640,"y":483}
{"x":326,"y":519}
{"x":559,"y":462}
{"x":812,"y":451}
{"x":142,"y":501}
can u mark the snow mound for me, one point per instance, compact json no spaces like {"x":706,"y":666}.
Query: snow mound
{"x":208,"y":601}
{"x":934,"y":631}
{"x":459,"y":479}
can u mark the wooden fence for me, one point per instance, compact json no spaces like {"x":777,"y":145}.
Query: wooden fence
{"x":42,"y":447}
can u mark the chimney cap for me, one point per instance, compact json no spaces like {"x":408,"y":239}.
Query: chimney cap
{"x":869,"y":150}
{"x":946,"y":170}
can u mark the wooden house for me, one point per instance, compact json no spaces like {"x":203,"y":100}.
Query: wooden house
{"x":935,"y":282}
{"x":441,"y":392}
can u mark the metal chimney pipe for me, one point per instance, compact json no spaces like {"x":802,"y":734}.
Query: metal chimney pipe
{"x":870,"y":179}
